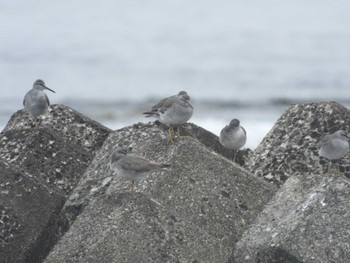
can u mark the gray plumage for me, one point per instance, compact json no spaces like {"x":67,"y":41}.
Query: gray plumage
{"x":131,"y":167}
{"x":174,"y":110}
{"x":233,"y":136}
{"x":334,"y":146}
{"x":36,"y":101}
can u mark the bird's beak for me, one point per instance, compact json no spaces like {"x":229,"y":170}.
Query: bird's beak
{"x":49,"y":89}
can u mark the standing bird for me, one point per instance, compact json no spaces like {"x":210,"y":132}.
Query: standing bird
{"x":334,"y":146}
{"x":132,"y":168}
{"x":173,"y":111}
{"x":233,"y":136}
{"x":36,"y":102}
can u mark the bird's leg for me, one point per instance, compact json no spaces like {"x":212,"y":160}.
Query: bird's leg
{"x":171,"y":135}
{"x":329,"y":167}
{"x":336,"y":171}
{"x":36,"y":123}
{"x":338,"y":168}
{"x":132,"y":188}
{"x":178,"y":131}
{"x":234,"y":156}
{"x":40,"y":122}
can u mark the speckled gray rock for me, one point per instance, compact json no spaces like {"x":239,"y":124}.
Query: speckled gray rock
{"x":72,"y":125}
{"x":59,"y":151}
{"x":138,"y":135}
{"x":55,"y":156}
{"x":195,"y":211}
{"x":47,"y":155}
{"x":307,"y":221}
{"x":290,"y":147}
{"x":212,"y":141}
{"x":28,"y":214}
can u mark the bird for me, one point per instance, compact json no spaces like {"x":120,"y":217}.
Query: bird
{"x":233,"y":136}
{"x":172,"y":111}
{"x":132,"y":167}
{"x":36,"y":102}
{"x":334,"y":146}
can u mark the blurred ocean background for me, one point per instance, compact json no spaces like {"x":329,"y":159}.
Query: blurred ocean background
{"x":112,"y":60}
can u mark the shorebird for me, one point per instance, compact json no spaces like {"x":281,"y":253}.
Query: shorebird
{"x":132,"y":167}
{"x":334,"y":146}
{"x":36,"y":102}
{"x":233,"y":136}
{"x":173,"y":111}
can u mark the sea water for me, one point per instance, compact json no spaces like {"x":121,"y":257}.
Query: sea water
{"x":112,"y":60}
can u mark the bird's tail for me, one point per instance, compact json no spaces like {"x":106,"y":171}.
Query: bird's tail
{"x":149,"y":114}
{"x":164,"y":166}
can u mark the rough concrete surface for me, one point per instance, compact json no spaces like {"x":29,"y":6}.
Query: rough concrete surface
{"x":306,"y":221}
{"x":212,"y":141}
{"x":71,"y":124}
{"x":290,"y":147}
{"x":47,"y":155}
{"x":137,"y":136}
{"x":196,"y":211}
{"x":55,"y":156}
{"x":28,"y":213}
{"x":204,"y":208}
{"x":59,"y":151}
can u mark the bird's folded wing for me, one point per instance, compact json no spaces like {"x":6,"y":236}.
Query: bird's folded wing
{"x":137,"y":164}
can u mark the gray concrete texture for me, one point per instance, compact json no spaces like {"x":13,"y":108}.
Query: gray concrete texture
{"x":204,"y":199}
{"x":60,"y":202}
